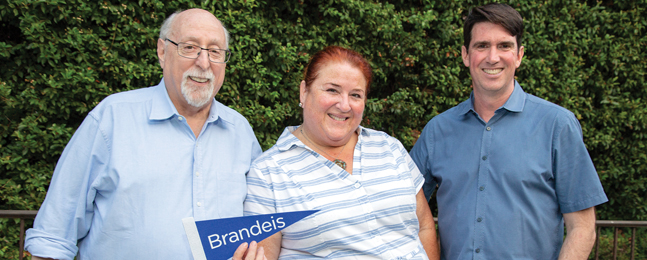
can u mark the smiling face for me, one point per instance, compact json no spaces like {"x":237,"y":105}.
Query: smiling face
{"x":333,"y":104}
{"x":192,"y":83}
{"x":492,"y":59}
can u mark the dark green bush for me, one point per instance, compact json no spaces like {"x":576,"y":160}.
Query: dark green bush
{"x":61,"y":57}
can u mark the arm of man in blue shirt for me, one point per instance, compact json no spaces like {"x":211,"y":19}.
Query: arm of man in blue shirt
{"x":580,"y":234}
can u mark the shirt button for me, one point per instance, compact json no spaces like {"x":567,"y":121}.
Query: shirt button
{"x":199,"y":204}
{"x":356,"y":185}
{"x":488,"y":128}
{"x":478,"y":250}
{"x":197,"y":174}
{"x":484,"y":157}
{"x":481,"y":188}
{"x":479,"y":219}
{"x":180,"y":118}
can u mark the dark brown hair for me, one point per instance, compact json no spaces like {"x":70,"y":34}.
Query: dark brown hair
{"x":495,"y":13}
{"x":337,"y":54}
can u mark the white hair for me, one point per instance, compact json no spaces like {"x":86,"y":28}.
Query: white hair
{"x":166,"y":28}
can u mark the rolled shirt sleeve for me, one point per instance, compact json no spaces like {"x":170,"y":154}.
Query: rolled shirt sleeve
{"x":64,"y":209}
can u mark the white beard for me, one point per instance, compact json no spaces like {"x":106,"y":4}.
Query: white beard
{"x":198,"y":96}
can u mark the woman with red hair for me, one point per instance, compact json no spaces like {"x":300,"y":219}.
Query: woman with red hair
{"x":363,"y":182}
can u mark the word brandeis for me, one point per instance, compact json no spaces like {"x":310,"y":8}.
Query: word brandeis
{"x":217,"y":240}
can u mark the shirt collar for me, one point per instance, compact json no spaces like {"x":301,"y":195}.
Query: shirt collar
{"x":515,"y":102}
{"x":162,"y":107}
{"x":287,"y":140}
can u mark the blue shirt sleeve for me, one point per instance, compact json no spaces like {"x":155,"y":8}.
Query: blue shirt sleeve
{"x":577,"y":183}
{"x":67,"y":211}
{"x":420,"y":153}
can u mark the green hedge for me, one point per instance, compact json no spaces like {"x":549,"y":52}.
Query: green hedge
{"x":61,"y":57}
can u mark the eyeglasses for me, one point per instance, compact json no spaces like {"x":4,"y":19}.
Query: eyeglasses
{"x":191,"y":51}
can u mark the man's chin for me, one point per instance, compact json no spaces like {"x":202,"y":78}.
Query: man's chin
{"x":199,"y":103}
{"x":197,"y":100}
{"x":195,"y":95}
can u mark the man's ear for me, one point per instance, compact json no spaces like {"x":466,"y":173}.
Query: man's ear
{"x":161,"y":44}
{"x":466,"y":59}
{"x":519,"y":57}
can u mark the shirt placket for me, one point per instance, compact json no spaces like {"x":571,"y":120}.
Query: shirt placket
{"x":369,"y":214}
{"x":198,"y":177}
{"x":198,"y":200}
{"x":481,"y":200}
{"x":369,"y":211}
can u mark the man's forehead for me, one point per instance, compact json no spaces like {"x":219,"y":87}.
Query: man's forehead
{"x":494,"y":41}
{"x":204,"y":39}
{"x":196,"y":29}
{"x":485,"y":29}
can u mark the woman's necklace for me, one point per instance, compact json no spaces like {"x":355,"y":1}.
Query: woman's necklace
{"x":339,"y":162}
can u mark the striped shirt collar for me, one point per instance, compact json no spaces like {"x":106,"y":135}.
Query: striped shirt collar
{"x":288,"y":141}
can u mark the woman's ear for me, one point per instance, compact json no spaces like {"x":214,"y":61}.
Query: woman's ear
{"x":303,"y":92}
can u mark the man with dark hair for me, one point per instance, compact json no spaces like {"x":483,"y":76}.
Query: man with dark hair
{"x":143,"y":160}
{"x":510,"y":168}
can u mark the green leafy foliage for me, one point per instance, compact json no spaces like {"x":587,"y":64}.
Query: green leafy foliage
{"x":61,"y":57}
{"x":623,"y":246}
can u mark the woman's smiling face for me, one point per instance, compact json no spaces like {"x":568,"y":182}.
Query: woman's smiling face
{"x":333,"y":105}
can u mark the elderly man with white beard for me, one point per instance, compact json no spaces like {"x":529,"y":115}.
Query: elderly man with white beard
{"x":143,"y":160}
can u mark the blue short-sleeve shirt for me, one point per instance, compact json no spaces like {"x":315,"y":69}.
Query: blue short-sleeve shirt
{"x":504,"y":185}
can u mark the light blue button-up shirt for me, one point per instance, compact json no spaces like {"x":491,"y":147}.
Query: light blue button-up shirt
{"x":133,"y":170}
{"x":504,"y":185}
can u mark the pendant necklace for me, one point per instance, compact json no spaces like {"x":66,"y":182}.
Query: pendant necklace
{"x":339,"y":162}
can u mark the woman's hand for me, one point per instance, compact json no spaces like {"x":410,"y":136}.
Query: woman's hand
{"x":254,"y":252}
{"x":427,"y":227}
{"x":273,"y":245}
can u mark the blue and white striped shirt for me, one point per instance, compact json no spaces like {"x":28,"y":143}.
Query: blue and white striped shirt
{"x":371,"y":213}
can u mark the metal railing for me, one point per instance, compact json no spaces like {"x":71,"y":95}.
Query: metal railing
{"x":31,"y":214}
{"x":22,"y":215}
{"x":616,"y":224}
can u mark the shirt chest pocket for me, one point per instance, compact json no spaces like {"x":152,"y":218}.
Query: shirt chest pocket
{"x":225,"y":185}
{"x":230,"y":193}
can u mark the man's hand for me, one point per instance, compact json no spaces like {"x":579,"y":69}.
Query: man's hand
{"x":254,"y":252}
